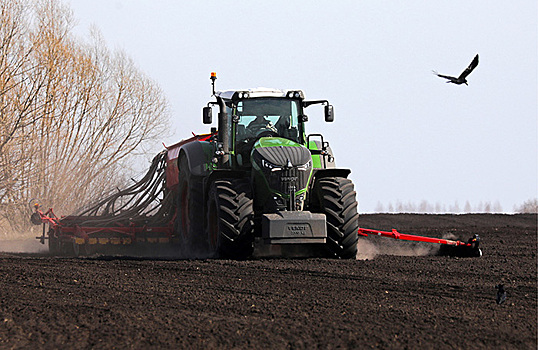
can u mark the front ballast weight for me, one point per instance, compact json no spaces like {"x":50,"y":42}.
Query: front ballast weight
{"x":302,"y":227}
{"x":471,"y":248}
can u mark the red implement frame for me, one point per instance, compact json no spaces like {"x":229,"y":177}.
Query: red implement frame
{"x":131,"y":234}
{"x":448,"y":247}
{"x":407,"y":237}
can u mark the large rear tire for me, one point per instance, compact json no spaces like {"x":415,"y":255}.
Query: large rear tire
{"x":335,"y":197}
{"x":190,"y":218}
{"x":230,"y":215}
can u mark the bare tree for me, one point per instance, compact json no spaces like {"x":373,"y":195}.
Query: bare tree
{"x":73,"y":115}
{"x":455,"y":208}
{"x":379,"y":207}
{"x":497,"y":208}
{"x":528,"y":207}
{"x":425,"y":207}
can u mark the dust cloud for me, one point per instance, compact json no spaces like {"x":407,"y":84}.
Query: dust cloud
{"x":451,"y":236}
{"x":366,"y":250}
{"x":27,"y":245}
{"x":370,"y":247}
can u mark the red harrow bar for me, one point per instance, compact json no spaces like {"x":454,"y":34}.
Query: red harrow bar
{"x":448,"y":247}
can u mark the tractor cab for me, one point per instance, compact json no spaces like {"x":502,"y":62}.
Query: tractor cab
{"x":259,"y":113}
{"x":246,"y":116}
{"x":266,"y":116}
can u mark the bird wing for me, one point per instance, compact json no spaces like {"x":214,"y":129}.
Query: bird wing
{"x":469,"y":69}
{"x":444,"y":76}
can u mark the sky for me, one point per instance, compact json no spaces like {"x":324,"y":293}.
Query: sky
{"x":406,"y":135}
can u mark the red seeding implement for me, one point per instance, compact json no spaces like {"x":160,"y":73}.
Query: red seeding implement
{"x":142,"y":215}
{"x":256,"y":184}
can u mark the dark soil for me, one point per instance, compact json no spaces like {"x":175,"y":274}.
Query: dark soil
{"x":409,"y":300}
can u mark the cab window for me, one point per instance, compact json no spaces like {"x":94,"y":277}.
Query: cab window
{"x":267,"y":117}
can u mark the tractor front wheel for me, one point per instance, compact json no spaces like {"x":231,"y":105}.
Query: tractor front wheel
{"x":230,"y":219}
{"x":335,"y":197}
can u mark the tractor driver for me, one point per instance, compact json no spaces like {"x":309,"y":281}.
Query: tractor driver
{"x":261,"y":124}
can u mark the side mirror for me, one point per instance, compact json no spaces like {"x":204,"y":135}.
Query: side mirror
{"x":207,"y":115}
{"x":329,"y":113}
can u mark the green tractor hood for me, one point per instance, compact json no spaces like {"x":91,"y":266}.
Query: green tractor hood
{"x":282,"y":170}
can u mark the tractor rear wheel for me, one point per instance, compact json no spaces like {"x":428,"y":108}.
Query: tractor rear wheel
{"x":230,"y":215}
{"x":189,"y":222}
{"x":335,"y":197}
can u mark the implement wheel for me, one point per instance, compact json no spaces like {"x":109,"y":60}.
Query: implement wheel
{"x":335,"y":197}
{"x":229,"y":219}
{"x":80,"y":249}
{"x":70,"y":248}
{"x":54,"y":245}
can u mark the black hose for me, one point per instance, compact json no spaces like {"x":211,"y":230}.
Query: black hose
{"x":133,"y":204}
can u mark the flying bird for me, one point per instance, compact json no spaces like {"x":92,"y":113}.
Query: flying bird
{"x":501,"y":294}
{"x":462,"y":78}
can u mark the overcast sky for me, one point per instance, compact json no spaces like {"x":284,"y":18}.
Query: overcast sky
{"x":406,"y":135}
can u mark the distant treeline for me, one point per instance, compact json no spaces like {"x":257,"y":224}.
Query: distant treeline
{"x":530,"y":206}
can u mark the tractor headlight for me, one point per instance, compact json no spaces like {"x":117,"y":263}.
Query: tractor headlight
{"x":305,"y":166}
{"x":270,"y":166}
{"x":299,"y":202}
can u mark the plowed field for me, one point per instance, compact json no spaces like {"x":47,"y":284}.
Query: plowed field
{"x":398,"y":295}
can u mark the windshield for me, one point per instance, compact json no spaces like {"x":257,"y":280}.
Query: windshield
{"x":267,"y":117}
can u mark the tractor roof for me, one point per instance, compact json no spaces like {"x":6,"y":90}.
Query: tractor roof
{"x":259,"y":92}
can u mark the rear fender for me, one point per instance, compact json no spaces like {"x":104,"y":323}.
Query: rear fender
{"x":198,"y":155}
{"x":224,"y":174}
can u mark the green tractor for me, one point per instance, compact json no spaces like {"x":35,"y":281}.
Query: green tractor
{"x":259,"y":183}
